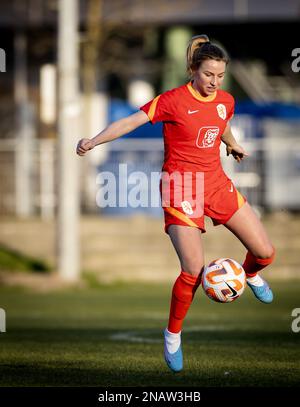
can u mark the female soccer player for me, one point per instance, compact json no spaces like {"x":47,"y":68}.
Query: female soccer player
{"x":196,"y":119}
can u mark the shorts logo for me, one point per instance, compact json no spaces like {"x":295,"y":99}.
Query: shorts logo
{"x":187,"y":207}
{"x":207,"y":136}
{"x":221,"y":109}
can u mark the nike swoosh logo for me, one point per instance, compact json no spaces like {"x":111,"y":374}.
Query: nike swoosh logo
{"x":234,"y":293}
{"x":231,"y":188}
{"x":192,"y":111}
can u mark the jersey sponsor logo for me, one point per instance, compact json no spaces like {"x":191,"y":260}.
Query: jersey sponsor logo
{"x":207,"y":136}
{"x":192,"y":111}
{"x":187,"y":207}
{"x":221,"y":109}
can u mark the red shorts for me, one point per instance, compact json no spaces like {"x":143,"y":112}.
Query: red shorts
{"x":186,"y":199}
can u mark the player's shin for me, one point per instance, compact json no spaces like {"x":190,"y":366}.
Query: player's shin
{"x":182,"y":296}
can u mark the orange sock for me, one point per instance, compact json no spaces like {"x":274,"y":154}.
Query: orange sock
{"x":182,"y":296}
{"x":254,"y":264}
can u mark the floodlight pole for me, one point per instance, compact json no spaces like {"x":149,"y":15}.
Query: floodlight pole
{"x":68,"y":247}
{"x":25,"y":130}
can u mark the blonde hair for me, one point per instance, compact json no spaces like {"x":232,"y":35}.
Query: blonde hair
{"x":200,"y":49}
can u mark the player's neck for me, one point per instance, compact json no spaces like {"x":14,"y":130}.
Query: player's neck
{"x":198,"y":95}
{"x":201,"y":93}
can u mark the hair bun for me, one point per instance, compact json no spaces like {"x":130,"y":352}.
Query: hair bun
{"x":195,"y":42}
{"x":202,"y":38}
{"x":196,"y":53}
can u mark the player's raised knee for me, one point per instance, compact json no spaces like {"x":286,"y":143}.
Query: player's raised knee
{"x":267,"y":253}
{"x":192,"y":267}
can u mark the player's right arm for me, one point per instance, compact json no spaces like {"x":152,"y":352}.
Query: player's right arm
{"x":232,"y":147}
{"x":113,"y":131}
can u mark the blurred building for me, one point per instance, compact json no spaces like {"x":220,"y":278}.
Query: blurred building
{"x":135,"y":50}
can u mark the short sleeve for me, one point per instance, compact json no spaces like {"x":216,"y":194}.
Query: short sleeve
{"x":159,"y":109}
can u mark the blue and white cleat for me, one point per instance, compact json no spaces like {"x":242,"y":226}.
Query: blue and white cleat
{"x":262,"y":292}
{"x":174,"y":360}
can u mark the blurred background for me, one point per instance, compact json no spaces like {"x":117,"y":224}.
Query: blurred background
{"x":70,"y":67}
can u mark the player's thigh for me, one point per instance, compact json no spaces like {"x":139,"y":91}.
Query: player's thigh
{"x":248,"y":228}
{"x":187,"y":242}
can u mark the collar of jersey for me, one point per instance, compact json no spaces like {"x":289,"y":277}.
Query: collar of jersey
{"x":198,"y":96}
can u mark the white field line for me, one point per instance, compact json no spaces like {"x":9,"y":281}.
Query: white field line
{"x":132,"y":336}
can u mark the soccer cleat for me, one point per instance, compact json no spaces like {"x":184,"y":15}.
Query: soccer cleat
{"x":174,"y":360}
{"x":263,"y":292}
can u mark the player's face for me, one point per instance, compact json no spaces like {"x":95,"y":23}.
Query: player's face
{"x":209,"y":76}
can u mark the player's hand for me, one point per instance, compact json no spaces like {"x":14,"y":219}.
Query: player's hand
{"x":84,"y":145}
{"x":237,"y":152}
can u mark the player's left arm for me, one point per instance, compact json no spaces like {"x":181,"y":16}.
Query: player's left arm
{"x":232,"y":147}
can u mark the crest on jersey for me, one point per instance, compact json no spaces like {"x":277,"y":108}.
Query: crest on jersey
{"x":221,"y":109}
{"x":207,"y":136}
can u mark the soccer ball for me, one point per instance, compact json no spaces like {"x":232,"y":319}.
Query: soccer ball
{"x":224,"y":280}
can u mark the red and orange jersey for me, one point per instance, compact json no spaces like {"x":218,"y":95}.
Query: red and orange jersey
{"x":193,"y":126}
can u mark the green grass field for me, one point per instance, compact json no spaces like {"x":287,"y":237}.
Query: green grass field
{"x":112,"y":336}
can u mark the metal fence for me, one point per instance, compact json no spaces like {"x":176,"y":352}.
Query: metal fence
{"x":28,"y":178}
